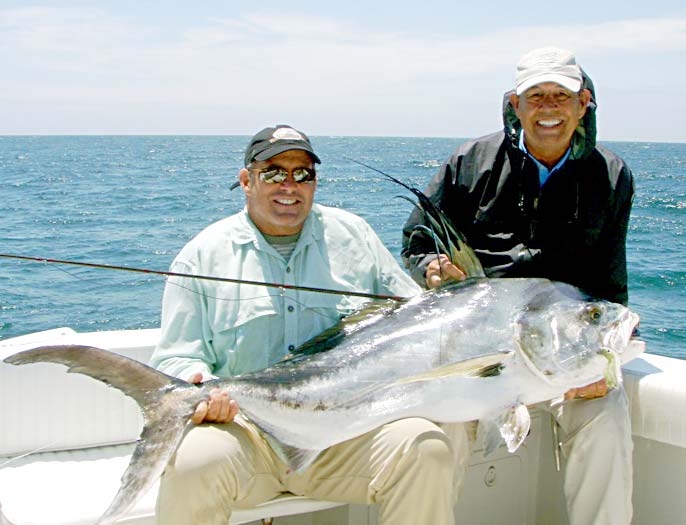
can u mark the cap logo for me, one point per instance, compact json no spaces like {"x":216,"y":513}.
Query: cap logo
{"x":286,"y":134}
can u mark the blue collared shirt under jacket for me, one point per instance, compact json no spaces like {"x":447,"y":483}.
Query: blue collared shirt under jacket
{"x":224,"y":329}
{"x":543,"y":171}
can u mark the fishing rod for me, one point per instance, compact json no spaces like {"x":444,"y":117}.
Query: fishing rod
{"x":203,"y":277}
{"x":221,"y":279}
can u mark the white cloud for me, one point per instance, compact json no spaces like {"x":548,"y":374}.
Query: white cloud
{"x":261,"y":63}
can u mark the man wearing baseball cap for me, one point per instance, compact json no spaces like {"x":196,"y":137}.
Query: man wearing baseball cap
{"x":540,"y":198}
{"x":212,"y":329}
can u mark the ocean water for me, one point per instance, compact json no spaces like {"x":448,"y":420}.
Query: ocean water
{"x":136,"y":200}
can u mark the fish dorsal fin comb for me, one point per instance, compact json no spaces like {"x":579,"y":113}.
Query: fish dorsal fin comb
{"x":448,"y":238}
{"x":440,"y":228}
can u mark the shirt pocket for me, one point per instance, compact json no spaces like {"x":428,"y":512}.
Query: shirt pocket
{"x":243,"y":333}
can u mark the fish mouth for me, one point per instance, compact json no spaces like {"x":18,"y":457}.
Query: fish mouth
{"x":626,"y":338}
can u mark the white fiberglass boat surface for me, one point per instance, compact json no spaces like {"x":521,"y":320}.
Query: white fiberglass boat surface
{"x":65,"y":440}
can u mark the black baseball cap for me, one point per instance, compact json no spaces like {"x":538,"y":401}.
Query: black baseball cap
{"x":272,"y":141}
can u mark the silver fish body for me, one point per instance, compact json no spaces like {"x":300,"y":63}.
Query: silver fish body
{"x":470,"y":351}
{"x":482,"y":349}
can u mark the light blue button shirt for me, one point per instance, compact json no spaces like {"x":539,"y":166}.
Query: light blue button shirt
{"x":543,"y":171}
{"x":224,"y":329}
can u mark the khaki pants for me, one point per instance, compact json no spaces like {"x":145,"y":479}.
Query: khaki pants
{"x":598,"y":471}
{"x":407,"y":467}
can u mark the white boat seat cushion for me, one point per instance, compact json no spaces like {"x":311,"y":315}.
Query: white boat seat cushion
{"x":75,"y":487}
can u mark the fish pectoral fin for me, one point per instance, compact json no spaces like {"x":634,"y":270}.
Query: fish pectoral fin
{"x":482,"y":366}
{"x":511,"y":426}
{"x":297,"y":459}
{"x":367,"y":315}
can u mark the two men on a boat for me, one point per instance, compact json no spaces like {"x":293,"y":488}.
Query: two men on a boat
{"x":538,"y":198}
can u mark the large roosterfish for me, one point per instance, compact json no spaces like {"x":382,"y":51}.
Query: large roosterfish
{"x":480,"y":349}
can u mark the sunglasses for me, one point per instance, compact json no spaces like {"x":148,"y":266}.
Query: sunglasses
{"x":279,"y":175}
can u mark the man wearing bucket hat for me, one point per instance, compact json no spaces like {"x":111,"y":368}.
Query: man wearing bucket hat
{"x":214,"y":329}
{"x":541,"y":199}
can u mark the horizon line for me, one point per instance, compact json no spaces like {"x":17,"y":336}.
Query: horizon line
{"x":337,"y":135}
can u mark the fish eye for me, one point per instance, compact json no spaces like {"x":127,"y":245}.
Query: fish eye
{"x":594,"y":314}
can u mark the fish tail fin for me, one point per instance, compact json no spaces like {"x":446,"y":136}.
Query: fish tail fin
{"x":166,"y":403}
{"x":156,"y":445}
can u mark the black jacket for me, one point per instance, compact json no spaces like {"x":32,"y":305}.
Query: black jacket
{"x":572,"y":230}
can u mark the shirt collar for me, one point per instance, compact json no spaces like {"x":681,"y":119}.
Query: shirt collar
{"x":543,"y":171}
{"x":248,"y":232}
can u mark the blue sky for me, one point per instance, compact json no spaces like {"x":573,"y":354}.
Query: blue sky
{"x":428,"y":68}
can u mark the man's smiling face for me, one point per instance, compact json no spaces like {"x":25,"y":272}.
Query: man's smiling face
{"x":549,"y":114}
{"x":279,"y":208}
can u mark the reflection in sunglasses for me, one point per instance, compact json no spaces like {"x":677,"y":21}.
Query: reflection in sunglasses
{"x":279,"y":175}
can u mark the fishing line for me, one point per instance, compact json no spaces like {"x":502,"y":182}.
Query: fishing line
{"x":225,"y":299}
{"x":85,"y":280}
{"x":29,"y":453}
{"x":204,"y":277}
{"x":374,"y":169}
{"x":280,"y":294}
{"x":72,"y":275}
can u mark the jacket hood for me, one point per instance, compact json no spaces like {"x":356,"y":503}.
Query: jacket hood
{"x":583,"y":140}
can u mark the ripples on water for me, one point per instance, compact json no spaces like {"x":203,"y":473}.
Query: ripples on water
{"x":135,"y":201}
